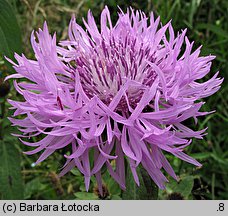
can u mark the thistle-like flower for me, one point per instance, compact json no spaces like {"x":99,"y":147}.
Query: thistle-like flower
{"x":119,"y":93}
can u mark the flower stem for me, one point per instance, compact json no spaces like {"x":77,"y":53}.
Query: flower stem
{"x":151,"y":187}
{"x":147,"y":190}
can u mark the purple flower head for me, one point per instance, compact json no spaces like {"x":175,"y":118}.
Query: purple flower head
{"x":121,"y":93}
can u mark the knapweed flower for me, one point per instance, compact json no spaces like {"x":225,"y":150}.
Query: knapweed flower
{"x":112,"y":94}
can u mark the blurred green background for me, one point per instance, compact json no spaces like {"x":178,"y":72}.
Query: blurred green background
{"x":207,"y":23}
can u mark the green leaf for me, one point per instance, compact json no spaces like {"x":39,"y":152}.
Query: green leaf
{"x":113,"y":187}
{"x":213,"y":28}
{"x":147,"y":189}
{"x":10,"y":35}
{"x":219,"y":159}
{"x":183,"y":186}
{"x":201,"y":156}
{"x":11,"y":186}
{"x":85,"y":196}
{"x":115,"y":197}
{"x":47,"y":193}
{"x":76,"y":172}
{"x":33,"y":187}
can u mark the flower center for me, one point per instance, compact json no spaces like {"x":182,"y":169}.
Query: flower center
{"x":108,"y":65}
